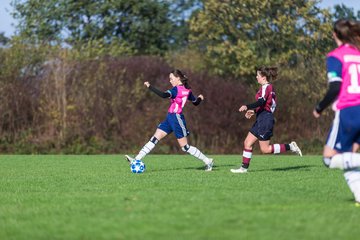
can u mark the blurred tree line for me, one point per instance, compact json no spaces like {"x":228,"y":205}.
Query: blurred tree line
{"x":71,"y":79}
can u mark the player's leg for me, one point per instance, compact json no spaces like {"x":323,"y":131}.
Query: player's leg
{"x":162,"y":131}
{"x":356,"y":147}
{"x":350,"y":163}
{"x":277,"y":148}
{"x":247,"y":153}
{"x":346,"y":160}
{"x":352,"y":177}
{"x":344,"y":135}
{"x":264,"y":131}
{"x":194,"y":151}
{"x":339,"y":148}
{"x":181,"y":132}
{"x":265,"y":146}
{"x":146,"y":149}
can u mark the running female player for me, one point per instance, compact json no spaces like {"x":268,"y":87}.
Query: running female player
{"x":262,"y":129}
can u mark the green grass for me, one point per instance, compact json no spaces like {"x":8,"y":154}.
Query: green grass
{"x":97,"y":197}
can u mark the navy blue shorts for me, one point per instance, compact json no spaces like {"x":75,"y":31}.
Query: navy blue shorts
{"x":345,"y":130}
{"x":175,"y":122}
{"x":263,"y":126}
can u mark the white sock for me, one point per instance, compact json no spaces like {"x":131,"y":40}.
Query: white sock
{"x":277,"y":148}
{"x":147,"y":148}
{"x":347,"y":160}
{"x":352,"y":178}
{"x":196,"y":153}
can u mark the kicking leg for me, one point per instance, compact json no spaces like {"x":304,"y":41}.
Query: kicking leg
{"x":146,"y":149}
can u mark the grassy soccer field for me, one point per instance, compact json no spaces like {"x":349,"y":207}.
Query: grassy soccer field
{"x":97,"y":197}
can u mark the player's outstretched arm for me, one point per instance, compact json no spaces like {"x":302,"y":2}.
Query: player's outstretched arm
{"x":157,"y":91}
{"x":260,"y":102}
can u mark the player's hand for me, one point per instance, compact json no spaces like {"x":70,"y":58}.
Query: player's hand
{"x":201,"y":96}
{"x":249,"y":114}
{"x":243,"y":108}
{"x":316,"y":114}
{"x":147,"y":84}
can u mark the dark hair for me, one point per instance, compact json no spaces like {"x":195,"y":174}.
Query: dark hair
{"x":269,"y":72}
{"x":348,"y":31}
{"x":183,"y":78}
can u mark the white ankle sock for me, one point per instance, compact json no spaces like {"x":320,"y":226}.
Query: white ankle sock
{"x":352,"y":178}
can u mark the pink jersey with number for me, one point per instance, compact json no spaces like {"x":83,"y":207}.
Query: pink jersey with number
{"x":349,"y":94}
{"x":178,"y":103}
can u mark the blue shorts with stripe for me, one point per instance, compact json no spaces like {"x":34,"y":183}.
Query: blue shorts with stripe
{"x":176,"y":123}
{"x":345,"y":130}
{"x":263,"y":126}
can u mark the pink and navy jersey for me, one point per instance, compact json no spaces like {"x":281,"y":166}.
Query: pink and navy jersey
{"x":179,"y":96}
{"x":266,"y":92}
{"x":343,"y":64}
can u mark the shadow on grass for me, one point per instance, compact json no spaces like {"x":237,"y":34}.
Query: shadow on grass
{"x":216,"y":167}
{"x":293,"y":168}
{"x":350,"y":200}
{"x":221,"y":167}
{"x":201,"y":168}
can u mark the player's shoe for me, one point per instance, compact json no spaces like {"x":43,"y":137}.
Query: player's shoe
{"x":239,"y":170}
{"x":129,"y":159}
{"x":209,"y":166}
{"x":294,"y":148}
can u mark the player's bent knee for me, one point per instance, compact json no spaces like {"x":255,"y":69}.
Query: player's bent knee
{"x":185,"y":148}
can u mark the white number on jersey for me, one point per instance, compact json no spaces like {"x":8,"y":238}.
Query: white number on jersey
{"x":183,"y":100}
{"x":354,"y":71}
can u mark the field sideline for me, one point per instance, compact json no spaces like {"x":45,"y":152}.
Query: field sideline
{"x":97,"y":197}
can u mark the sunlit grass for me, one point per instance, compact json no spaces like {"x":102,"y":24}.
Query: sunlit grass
{"x":97,"y":197}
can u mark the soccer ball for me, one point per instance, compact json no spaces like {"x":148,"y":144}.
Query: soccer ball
{"x":137,"y":166}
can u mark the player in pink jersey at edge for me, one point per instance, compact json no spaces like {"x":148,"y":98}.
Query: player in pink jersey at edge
{"x":262,"y":129}
{"x":343,"y":74}
{"x":175,"y":121}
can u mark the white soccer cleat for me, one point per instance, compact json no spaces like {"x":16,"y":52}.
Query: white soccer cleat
{"x":209,"y":166}
{"x":239,"y":170}
{"x":129,"y":159}
{"x":294,"y":148}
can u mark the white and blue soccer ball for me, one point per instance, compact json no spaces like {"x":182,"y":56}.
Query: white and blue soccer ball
{"x":137,"y":166}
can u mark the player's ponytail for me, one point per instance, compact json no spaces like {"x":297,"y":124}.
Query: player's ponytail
{"x":269,"y":72}
{"x":273,"y":73}
{"x":183,"y":78}
{"x":348,"y":31}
